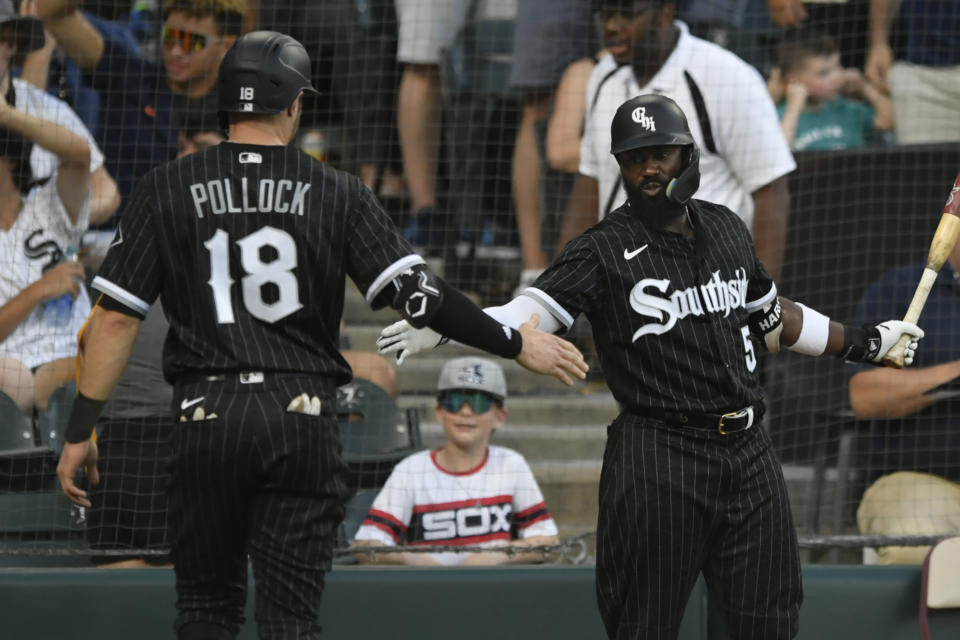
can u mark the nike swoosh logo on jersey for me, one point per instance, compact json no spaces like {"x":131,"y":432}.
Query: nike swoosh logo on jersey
{"x":629,"y":254}
{"x":186,"y":404}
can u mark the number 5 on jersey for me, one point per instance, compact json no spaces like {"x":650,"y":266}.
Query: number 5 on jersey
{"x":278,"y":272}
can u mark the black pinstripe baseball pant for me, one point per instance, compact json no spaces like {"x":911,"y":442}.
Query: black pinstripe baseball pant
{"x":256,"y":480}
{"x":675,"y":503}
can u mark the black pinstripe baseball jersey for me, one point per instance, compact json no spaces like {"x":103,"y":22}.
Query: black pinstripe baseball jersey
{"x":248,"y":247}
{"x":669,"y":315}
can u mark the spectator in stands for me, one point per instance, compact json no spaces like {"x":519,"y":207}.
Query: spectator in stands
{"x":564,"y":130}
{"x":744,"y":158}
{"x":826,"y":106}
{"x":843,"y":20}
{"x":44,"y":302}
{"x":913,"y":452}
{"x":925,"y":83}
{"x":137,"y":95}
{"x":548,"y":35}
{"x":426,"y":29}
{"x":466,"y":492}
{"x":26,"y":45}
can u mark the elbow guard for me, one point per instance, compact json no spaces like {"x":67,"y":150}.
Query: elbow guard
{"x":419,"y":295}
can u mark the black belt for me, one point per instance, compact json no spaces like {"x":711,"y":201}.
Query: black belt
{"x":723,"y":423}
{"x":269,"y":381}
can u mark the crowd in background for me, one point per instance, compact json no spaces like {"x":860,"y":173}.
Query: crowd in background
{"x":466,"y":152}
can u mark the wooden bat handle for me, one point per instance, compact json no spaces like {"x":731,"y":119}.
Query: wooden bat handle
{"x":894,"y":357}
{"x":940,"y":247}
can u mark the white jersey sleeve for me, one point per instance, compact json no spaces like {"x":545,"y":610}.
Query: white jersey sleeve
{"x":530,"y":517}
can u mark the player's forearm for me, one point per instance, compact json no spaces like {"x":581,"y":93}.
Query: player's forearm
{"x":771,"y":216}
{"x":893,"y":393}
{"x":105,"y":346}
{"x":460,"y":319}
{"x":105,"y":343}
{"x":793,"y":320}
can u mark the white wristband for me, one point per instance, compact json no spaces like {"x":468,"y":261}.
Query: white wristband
{"x":814,"y":333}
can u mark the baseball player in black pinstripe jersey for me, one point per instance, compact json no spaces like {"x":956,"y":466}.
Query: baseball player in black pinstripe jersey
{"x":678,"y":299}
{"x":248,"y":244}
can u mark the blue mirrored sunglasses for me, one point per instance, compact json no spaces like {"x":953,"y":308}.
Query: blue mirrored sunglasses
{"x":478,"y":401}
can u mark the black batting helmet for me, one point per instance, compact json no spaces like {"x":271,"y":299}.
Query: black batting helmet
{"x":262,"y":73}
{"x":653,"y":120}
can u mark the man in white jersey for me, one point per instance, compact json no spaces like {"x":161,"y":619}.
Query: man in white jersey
{"x":744,"y":158}
{"x":466,"y":492}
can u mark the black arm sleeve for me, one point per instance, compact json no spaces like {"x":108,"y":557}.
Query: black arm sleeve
{"x":461,"y":320}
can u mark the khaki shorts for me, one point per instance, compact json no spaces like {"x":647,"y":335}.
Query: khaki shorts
{"x":428,"y":27}
{"x":925,"y":102}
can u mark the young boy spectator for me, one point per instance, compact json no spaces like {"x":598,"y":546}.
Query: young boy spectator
{"x":40,"y":223}
{"x":467,"y":492}
{"x":825,"y":105}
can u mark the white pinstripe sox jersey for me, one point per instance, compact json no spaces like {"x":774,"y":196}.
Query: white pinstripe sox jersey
{"x":38,"y":239}
{"x":422,"y":504}
{"x":751,"y":150}
{"x":669,"y":315}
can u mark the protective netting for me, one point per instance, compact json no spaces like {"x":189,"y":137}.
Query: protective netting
{"x":465,"y":117}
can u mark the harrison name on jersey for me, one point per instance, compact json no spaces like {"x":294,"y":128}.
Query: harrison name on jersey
{"x":649,"y":297}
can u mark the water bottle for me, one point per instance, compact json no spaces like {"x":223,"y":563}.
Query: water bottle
{"x":57,"y":312}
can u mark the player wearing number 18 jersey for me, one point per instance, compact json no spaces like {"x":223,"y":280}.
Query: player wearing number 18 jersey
{"x":247,"y":245}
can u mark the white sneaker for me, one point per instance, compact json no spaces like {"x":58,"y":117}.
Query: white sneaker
{"x":527,"y":278}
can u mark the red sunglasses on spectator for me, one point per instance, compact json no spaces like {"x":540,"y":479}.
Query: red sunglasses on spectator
{"x":189,"y":41}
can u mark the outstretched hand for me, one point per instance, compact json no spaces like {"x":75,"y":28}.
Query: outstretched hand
{"x":76,"y":455}
{"x":549,"y":354}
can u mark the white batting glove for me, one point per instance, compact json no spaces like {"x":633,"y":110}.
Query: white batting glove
{"x":403,"y":340}
{"x":890,"y":332}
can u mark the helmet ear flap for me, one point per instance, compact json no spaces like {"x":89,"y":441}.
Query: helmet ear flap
{"x":682,"y":188}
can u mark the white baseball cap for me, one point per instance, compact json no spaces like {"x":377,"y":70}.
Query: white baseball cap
{"x":471,"y":372}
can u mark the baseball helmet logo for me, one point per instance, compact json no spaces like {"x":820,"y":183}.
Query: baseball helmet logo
{"x":640,"y":116}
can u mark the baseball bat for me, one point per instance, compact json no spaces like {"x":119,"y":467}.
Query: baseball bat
{"x":940,"y":247}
